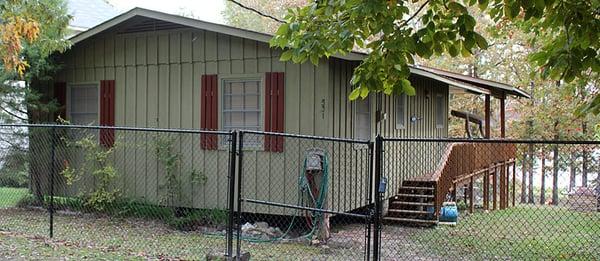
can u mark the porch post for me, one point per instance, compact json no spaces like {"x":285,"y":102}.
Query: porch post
{"x":495,"y":188}
{"x":487,"y":116}
{"x":471,"y":198}
{"x":502,"y":185}
{"x":514,"y":168}
{"x":503,"y":116}
{"x":486,"y":190}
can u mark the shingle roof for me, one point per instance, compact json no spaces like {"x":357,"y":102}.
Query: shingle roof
{"x":89,"y":13}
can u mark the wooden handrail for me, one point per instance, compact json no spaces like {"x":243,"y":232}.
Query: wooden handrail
{"x":463,"y":159}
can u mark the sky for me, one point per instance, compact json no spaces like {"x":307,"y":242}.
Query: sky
{"x":207,"y":10}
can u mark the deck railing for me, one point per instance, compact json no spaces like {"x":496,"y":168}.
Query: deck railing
{"x":463,"y":159}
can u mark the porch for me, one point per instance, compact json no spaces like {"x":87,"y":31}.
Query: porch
{"x":458,"y":163}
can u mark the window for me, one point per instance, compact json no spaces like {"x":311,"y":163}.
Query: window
{"x":241,"y":104}
{"x":401,"y":111}
{"x":439,"y":111}
{"x":362,"y":119}
{"x":83,"y":103}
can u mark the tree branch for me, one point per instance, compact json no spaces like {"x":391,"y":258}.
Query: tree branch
{"x":415,"y":14}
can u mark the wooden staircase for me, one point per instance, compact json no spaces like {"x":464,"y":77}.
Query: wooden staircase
{"x":413,"y":205}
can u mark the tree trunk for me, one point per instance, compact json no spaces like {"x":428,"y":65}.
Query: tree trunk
{"x":531,"y":162}
{"x":543,"y":176}
{"x":584,"y":168}
{"x":555,"y":166}
{"x":573,"y":170}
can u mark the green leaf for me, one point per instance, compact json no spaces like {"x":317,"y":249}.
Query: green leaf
{"x":453,"y":50}
{"x":483,"y":4}
{"x":398,"y":67}
{"x":283,"y":29}
{"x":364,"y":92}
{"x":481,"y":42}
{"x":407,"y":87}
{"x":286,"y":56}
{"x":354,"y":94}
{"x":314,"y":59}
{"x":456,"y":7}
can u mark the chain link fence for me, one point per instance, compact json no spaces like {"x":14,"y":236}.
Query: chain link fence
{"x":304,"y":197}
{"x":149,"y":193}
{"x":481,"y":200}
{"x":126,"y":193}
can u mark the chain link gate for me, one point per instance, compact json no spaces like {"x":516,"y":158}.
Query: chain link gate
{"x":305,"y":190}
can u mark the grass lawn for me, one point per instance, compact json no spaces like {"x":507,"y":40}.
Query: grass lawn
{"x":522,"y":232}
{"x":9,"y":197}
{"x":23,"y":235}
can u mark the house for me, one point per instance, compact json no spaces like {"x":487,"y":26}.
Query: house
{"x":145,"y":68}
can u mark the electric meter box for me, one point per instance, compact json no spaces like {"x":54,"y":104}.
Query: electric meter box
{"x":314,"y":160}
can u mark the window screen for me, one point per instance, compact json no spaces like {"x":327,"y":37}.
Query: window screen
{"x":83,"y":104}
{"x":362,"y":119}
{"x":241,"y":104}
{"x":401,"y":111}
{"x":439,"y":111}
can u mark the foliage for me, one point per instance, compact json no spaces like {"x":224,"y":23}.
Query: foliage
{"x":239,"y":17}
{"x":394,"y":36}
{"x":31,"y":29}
{"x":170,"y":159}
{"x":96,"y":161}
{"x":32,"y":60}
{"x":14,"y":171}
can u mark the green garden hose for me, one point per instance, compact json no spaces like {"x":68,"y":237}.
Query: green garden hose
{"x":303,"y":185}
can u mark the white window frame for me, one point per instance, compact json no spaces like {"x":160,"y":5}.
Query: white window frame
{"x":70,"y":87}
{"x":223,"y":79}
{"x":355,"y":118}
{"x":401,"y":122}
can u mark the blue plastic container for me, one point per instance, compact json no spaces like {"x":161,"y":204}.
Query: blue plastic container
{"x":449,"y":212}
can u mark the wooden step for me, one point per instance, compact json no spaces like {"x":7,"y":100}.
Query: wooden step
{"x":418,"y":183}
{"x":397,"y":202}
{"x":411,"y":220}
{"x":407,"y":211}
{"x":414,"y":195}
{"x":416,"y":188}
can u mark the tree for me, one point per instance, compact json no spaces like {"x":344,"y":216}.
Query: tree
{"x":243,"y":18}
{"x":395,"y":36}
{"x":35,"y":54}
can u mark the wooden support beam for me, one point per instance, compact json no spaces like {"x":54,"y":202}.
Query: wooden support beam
{"x":454,"y":192}
{"x":503,"y":116}
{"x":487,"y":116}
{"x":486,"y":191}
{"x":514,"y":173}
{"x":471,"y":197}
{"x":502,"y":186}
{"x":507,"y":204}
{"x":495,"y":189}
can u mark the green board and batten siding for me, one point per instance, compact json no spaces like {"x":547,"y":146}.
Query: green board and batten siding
{"x":157,"y":78}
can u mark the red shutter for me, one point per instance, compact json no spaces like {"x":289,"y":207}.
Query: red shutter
{"x":60,"y":94}
{"x":107,"y":112}
{"x":274,"y":110}
{"x":209,"y":114}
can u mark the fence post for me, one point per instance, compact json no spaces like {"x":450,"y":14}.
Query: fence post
{"x":377,"y":181}
{"x":231,"y":193}
{"x":370,"y":201}
{"x":52,"y":169}
{"x":240,"y":156}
